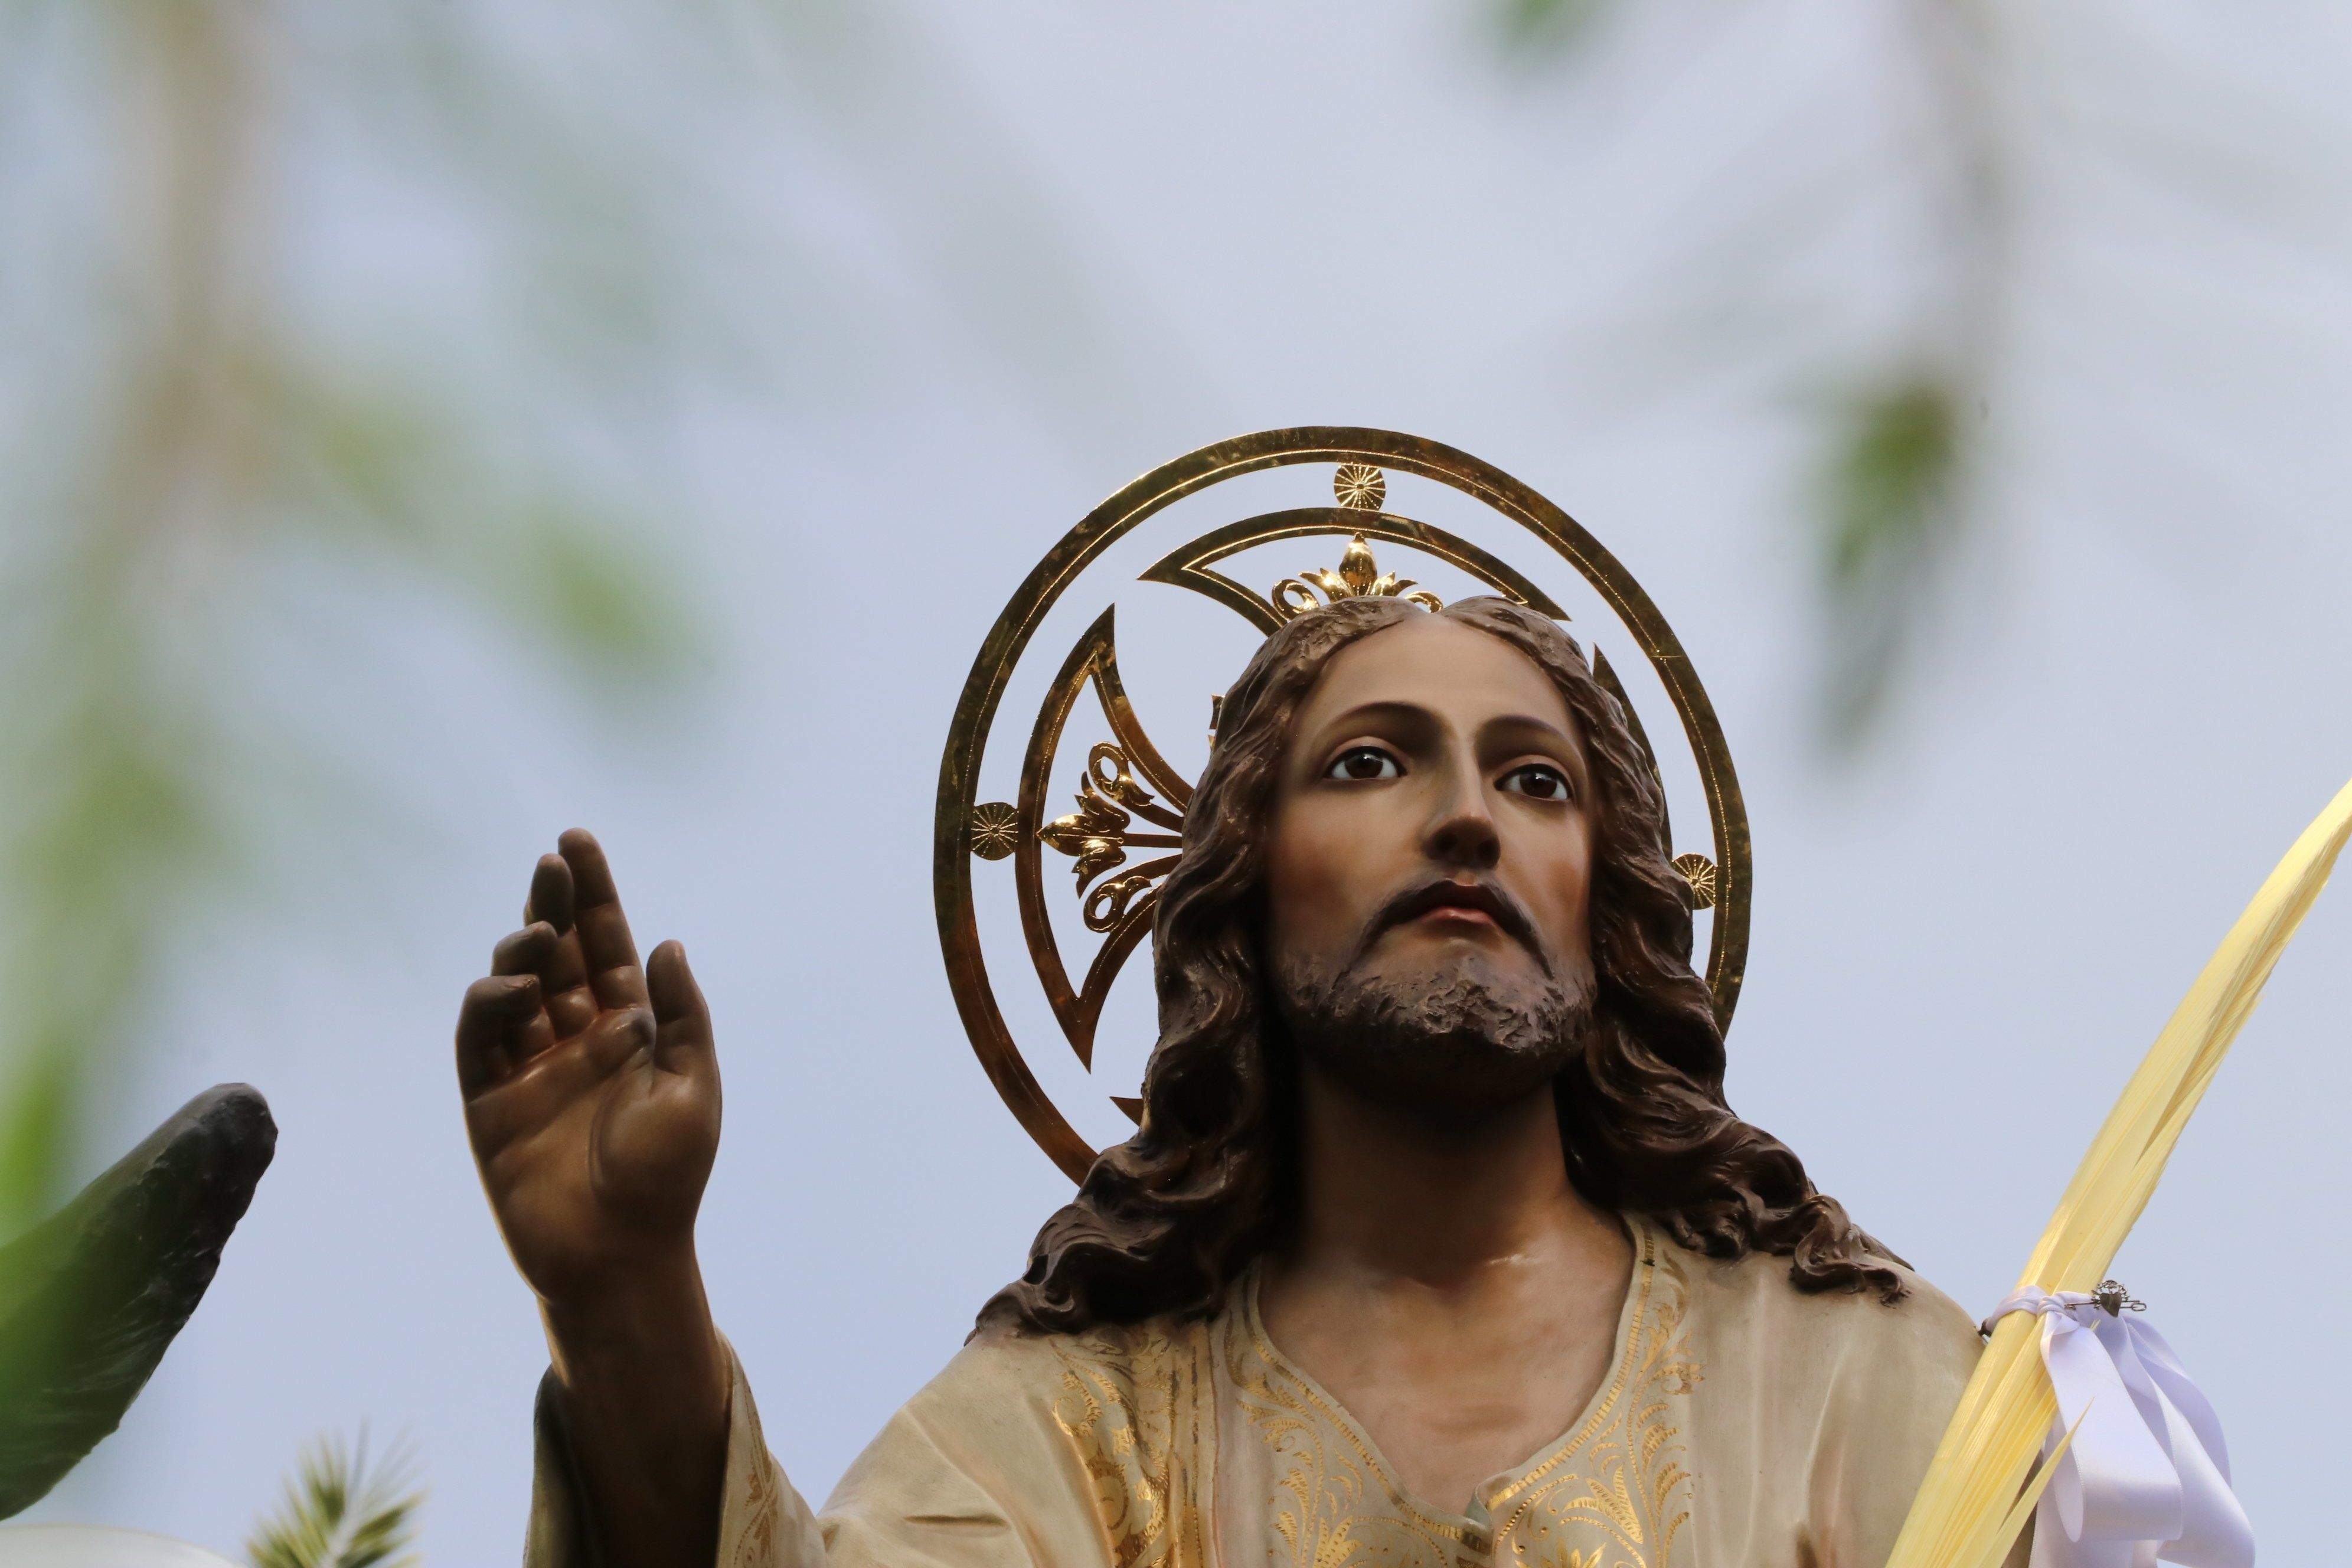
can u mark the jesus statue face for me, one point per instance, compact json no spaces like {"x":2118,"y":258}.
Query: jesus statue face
{"x":1376,"y":763}
{"x":1428,"y":866}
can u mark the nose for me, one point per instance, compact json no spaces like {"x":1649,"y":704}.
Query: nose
{"x":1461,"y":830}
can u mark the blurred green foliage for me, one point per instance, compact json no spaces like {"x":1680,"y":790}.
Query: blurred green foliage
{"x":193,"y":420}
{"x":338,"y":1513}
{"x":1886,"y":505}
{"x":309,"y":311}
{"x":1548,"y":24}
{"x":1889,"y":513}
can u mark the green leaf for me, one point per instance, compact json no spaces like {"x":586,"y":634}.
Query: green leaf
{"x":339,"y":1515}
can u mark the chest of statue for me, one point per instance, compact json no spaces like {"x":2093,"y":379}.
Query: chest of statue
{"x":1207,"y":1445}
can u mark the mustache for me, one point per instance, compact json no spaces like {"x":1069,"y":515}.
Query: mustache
{"x":1482,"y":893}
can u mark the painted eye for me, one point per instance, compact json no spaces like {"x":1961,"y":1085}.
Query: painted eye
{"x":1363,"y":763}
{"x":1536,"y":781}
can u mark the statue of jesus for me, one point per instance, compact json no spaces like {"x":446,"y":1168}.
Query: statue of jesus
{"x":1437,"y":1245}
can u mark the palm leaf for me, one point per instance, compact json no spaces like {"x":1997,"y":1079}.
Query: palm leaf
{"x":337,"y":1514}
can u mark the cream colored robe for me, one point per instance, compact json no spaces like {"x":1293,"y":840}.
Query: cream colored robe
{"x":1743,"y":1425}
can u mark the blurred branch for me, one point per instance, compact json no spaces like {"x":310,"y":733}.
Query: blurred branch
{"x":1894,"y":496}
{"x":379,"y":465}
{"x":970,"y":211}
{"x":1890,"y":498}
{"x":108,"y":806}
{"x":214,"y":403}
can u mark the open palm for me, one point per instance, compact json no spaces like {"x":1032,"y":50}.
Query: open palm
{"x":590,"y":1085}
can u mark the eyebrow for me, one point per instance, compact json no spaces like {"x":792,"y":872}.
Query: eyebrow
{"x":1571,"y":747}
{"x":1525,"y":721}
{"x":1381,"y":708}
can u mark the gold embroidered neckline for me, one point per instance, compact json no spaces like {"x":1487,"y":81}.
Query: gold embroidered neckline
{"x":1624,"y":1353}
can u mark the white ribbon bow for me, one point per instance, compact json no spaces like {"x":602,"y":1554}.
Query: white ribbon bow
{"x":2148,"y":1475}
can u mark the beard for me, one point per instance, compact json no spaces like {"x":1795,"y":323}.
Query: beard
{"x":1459,"y":1045}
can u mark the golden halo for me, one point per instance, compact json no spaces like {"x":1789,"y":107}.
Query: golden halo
{"x":1124,"y":835}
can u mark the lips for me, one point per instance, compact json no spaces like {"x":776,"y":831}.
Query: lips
{"x":1469,"y":898}
{"x":1477,"y":902}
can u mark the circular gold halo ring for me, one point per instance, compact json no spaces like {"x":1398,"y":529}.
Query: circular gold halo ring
{"x":953,"y":826}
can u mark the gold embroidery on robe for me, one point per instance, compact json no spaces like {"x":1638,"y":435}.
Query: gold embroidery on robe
{"x":1322,"y":1472}
{"x":1134,"y":1402}
{"x":1621,"y":1475}
{"x":1613,"y":1494}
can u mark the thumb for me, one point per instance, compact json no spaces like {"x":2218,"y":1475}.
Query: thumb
{"x":682,"y":1041}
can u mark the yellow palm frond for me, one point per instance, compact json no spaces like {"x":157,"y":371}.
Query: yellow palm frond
{"x":1978,"y":1491}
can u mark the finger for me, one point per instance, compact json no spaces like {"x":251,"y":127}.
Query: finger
{"x":489,"y":1023}
{"x":683,"y":1042}
{"x":617,"y":1036}
{"x":551,"y":894}
{"x":570,"y":1004}
{"x":526,"y":952}
{"x":604,"y":940}
{"x":532,"y":951}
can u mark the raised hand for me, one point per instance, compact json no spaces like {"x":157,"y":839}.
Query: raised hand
{"x":590,"y":1086}
{"x":592,"y":1102}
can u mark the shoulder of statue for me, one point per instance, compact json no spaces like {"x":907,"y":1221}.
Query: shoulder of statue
{"x":1140,"y":1348}
{"x":1043,"y":1360}
{"x":1756,"y":1285}
{"x":1798,"y":1347}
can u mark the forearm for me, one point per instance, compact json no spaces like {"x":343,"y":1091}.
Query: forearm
{"x":644,"y":1385}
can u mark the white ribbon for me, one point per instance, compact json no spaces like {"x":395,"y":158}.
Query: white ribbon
{"x":2148,"y":1475}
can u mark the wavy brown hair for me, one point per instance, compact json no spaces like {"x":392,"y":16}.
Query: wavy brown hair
{"x":1164,"y":1220}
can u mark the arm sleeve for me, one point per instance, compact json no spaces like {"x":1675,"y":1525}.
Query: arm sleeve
{"x":762,"y":1523}
{"x":976,"y":1471}
{"x":973,"y":1472}
{"x":1894,"y":1393}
